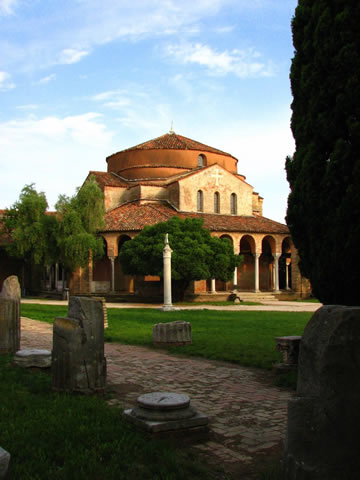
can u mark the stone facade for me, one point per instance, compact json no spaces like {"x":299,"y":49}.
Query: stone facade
{"x":173,"y":175}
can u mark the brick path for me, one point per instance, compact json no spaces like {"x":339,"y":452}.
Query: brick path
{"x":247,"y":414}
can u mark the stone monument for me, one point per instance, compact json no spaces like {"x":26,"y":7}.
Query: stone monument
{"x":322,"y":439}
{"x":78,"y":361}
{"x":10,"y":315}
{"x":4,"y":463}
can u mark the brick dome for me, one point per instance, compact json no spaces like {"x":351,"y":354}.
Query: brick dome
{"x":165,"y":156}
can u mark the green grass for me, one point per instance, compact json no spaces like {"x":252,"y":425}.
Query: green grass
{"x":64,"y":437}
{"x":217,"y":304}
{"x":242,"y":337}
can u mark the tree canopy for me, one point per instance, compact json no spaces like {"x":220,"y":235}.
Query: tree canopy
{"x":30,"y":228}
{"x":196,"y":254}
{"x":79,"y":218}
{"x":324,"y":172}
{"x":65,"y":236}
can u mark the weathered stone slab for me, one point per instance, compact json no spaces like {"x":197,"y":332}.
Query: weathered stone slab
{"x":322,"y":439}
{"x":172,"y":333}
{"x":163,"y":401}
{"x":4,"y":463}
{"x":78,"y":361}
{"x":11,"y":288}
{"x":10,"y":316}
{"x":33,"y":357}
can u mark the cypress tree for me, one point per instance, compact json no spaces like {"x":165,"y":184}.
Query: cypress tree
{"x":324,"y":173}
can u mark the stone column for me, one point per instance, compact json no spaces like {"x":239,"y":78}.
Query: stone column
{"x":288,"y":260}
{"x":235,"y":276}
{"x":112,"y":260}
{"x":56,"y":276}
{"x":257,"y":282}
{"x":167,"y":276}
{"x":213,"y":288}
{"x":276,"y":265}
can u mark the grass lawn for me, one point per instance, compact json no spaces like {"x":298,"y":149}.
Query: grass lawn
{"x":64,"y":437}
{"x":246,"y":338}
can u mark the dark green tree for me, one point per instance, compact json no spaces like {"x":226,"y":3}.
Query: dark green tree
{"x":196,"y":254}
{"x":324,"y":173}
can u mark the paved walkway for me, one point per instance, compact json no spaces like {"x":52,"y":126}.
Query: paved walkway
{"x":270,"y":306}
{"x":247,"y":413}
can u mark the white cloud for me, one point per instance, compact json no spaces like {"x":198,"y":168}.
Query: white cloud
{"x":47,"y":79}
{"x":55,"y":153}
{"x":71,"y":55}
{"x":7,"y":7}
{"x":242,"y":63}
{"x":5,"y":82}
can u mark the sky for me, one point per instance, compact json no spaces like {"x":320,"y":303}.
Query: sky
{"x":82,"y":79}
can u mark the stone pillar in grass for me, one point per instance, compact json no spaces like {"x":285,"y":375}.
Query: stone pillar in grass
{"x":322,"y":439}
{"x":78,"y":361}
{"x":10,"y":316}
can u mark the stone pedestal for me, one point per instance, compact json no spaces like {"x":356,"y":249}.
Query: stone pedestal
{"x":10,"y":316}
{"x":165,"y":412}
{"x":33,"y":357}
{"x":172,"y":334}
{"x":78,"y":362}
{"x":322,"y":439}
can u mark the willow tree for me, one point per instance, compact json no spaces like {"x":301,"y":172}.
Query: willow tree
{"x":80,"y":217}
{"x":324,"y":172}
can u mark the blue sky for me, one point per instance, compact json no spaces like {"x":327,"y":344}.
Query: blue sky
{"x":82,"y":79}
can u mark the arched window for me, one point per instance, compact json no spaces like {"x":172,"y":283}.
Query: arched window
{"x":200,"y":201}
{"x":233,"y":204}
{"x":217,"y":202}
{"x":201,"y":160}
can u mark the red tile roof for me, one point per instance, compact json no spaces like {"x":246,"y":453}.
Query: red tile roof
{"x":173,"y":141}
{"x":135,"y":216}
{"x":107,"y":179}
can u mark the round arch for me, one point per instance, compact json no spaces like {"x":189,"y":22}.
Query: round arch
{"x":246,"y":270}
{"x":285,"y":266}
{"x":266,"y":263}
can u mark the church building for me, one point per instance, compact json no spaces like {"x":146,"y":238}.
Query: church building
{"x":174,"y":175}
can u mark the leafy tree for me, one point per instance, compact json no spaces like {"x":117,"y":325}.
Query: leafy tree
{"x":324,"y":173}
{"x":196,"y":254}
{"x":80,"y":217}
{"x":31,"y":231}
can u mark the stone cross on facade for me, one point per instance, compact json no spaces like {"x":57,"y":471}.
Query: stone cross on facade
{"x":217,"y":176}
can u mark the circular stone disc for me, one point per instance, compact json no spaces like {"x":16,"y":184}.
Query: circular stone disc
{"x":163,"y":400}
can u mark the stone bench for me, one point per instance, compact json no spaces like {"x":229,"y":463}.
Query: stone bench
{"x":289,"y":346}
{"x":33,"y":357}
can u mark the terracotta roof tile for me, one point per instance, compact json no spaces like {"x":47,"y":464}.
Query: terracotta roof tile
{"x":135,"y":216}
{"x":107,"y":179}
{"x":176,"y":142}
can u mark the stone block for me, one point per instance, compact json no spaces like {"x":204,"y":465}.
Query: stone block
{"x":10,"y":315}
{"x":11,"y":288}
{"x":322,"y":439}
{"x":33,"y":357}
{"x":4,"y":463}
{"x":78,"y":361}
{"x":172,"y":333}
